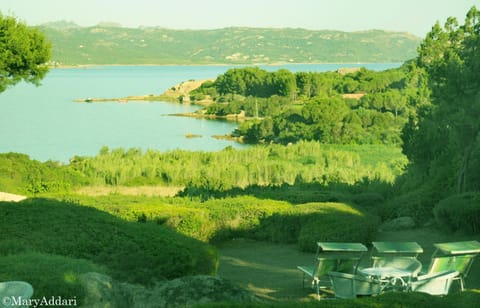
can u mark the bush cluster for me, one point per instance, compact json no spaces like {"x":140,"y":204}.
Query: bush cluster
{"x":22,"y":175}
{"x":261,"y":219}
{"x":417,"y":204}
{"x":459,"y":213}
{"x":336,"y":222}
{"x":134,"y":252}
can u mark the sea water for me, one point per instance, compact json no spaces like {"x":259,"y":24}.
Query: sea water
{"x":45,"y":123}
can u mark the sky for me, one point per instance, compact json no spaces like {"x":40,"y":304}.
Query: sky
{"x":414,"y":16}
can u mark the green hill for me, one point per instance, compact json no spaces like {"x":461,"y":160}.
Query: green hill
{"x":110,"y":44}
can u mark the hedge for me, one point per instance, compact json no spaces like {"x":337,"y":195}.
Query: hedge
{"x":261,"y":219}
{"x":459,"y":212}
{"x":133,"y":252}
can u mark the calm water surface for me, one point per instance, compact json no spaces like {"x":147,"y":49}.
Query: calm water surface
{"x":44,"y":122}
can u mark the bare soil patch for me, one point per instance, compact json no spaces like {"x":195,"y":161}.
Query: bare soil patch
{"x":266,"y":269}
{"x":11,"y":197}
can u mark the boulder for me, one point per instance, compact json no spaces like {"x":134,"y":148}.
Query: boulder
{"x":189,"y":291}
{"x":400,"y":223}
{"x":100,"y":291}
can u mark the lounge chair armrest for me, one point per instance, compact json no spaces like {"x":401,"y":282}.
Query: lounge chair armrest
{"x":433,"y":275}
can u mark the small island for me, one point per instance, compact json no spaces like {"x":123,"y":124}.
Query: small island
{"x":191,"y":135}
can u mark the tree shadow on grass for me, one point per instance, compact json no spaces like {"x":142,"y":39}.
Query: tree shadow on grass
{"x":133,"y":252}
{"x":307,"y":224}
{"x":300,"y":192}
{"x":267,"y":269}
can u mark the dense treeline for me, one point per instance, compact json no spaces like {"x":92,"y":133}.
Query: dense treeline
{"x":447,"y":136}
{"x":442,"y":140}
{"x":288,"y":107}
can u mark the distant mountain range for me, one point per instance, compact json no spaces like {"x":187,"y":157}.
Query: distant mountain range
{"x":111,"y":44}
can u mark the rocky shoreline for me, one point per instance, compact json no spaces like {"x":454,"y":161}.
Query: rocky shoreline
{"x":150,"y":97}
{"x":229,"y":117}
{"x":179,"y":93}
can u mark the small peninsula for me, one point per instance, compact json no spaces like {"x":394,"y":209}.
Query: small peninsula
{"x":177,"y":93}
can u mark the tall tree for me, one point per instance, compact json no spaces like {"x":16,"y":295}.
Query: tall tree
{"x":24,"y":52}
{"x":285,"y":83}
{"x":451,"y":57}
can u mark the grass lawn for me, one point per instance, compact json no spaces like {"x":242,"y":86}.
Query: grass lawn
{"x":269,"y":270}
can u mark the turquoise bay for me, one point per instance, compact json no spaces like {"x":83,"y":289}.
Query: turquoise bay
{"x":46,"y":124}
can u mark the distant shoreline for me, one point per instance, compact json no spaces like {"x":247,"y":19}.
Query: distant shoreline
{"x":217,"y":64}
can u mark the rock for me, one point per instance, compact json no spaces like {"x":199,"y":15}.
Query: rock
{"x":189,"y":291}
{"x":400,"y":223}
{"x":99,"y":291}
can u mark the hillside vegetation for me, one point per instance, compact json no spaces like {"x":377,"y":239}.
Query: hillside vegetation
{"x":73,"y":45}
{"x":360,"y":107}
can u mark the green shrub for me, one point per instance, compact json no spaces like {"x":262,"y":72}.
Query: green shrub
{"x":262,"y":219}
{"x":459,"y":212}
{"x":50,"y":275}
{"x":298,"y":193}
{"x":135,"y":252}
{"x":192,"y":222}
{"x":281,"y":227}
{"x":197,"y":97}
{"x":240,"y":216}
{"x":10,"y":246}
{"x":19,"y":174}
{"x":368,"y":199}
{"x":212,"y":220}
{"x":337,"y":222}
{"x":417,"y":204}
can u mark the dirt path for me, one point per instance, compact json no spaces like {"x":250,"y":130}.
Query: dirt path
{"x":11,"y":197}
{"x":162,"y":191}
{"x":266,"y":269}
{"x":269,"y":270}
